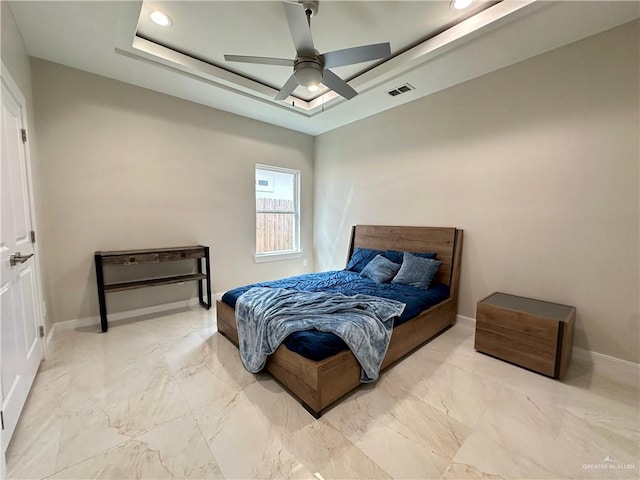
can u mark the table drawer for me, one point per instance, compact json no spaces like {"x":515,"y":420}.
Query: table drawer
{"x":182,"y":255}
{"x":133,"y":259}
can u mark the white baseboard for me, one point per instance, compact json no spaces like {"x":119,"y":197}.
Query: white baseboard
{"x":465,"y":321}
{"x":118,"y":316}
{"x":597,"y":360}
{"x":600,"y":360}
{"x":49,"y":338}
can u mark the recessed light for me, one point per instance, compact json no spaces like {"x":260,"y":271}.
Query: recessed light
{"x":313,"y":88}
{"x":461,"y":4}
{"x":160,"y":18}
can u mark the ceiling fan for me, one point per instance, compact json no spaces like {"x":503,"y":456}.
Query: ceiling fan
{"x":311,"y":68}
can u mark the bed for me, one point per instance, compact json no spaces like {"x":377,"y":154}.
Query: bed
{"x":319,"y":383}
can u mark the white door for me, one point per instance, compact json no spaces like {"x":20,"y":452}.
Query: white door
{"x":20,"y":344}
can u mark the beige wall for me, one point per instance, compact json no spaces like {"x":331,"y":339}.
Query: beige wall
{"x":537,"y":162}
{"x":126,"y":167}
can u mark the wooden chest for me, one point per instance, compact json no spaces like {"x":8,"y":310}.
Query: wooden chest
{"x":530,"y":333}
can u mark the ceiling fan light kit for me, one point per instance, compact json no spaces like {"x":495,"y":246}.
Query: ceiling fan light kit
{"x":310,"y":68}
{"x":308,"y":72}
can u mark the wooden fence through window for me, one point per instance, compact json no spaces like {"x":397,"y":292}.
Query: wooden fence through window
{"x":275,"y":225}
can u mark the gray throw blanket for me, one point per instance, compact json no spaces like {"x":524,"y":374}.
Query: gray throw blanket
{"x":266,"y":316}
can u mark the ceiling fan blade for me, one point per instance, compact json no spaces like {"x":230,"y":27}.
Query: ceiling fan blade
{"x":287,"y":89}
{"x":299,"y":27}
{"x":285,"y":62}
{"x":338,"y":85}
{"x":349,"y":56}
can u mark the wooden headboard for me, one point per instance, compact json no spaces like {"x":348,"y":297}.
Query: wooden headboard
{"x":445,"y":242}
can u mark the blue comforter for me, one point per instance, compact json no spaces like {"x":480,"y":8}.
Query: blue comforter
{"x":317,"y":345}
{"x":266,"y":316}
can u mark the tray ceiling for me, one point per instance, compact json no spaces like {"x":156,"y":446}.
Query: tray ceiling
{"x":433,"y":47}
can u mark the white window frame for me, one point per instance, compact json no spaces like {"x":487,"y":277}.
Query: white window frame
{"x":284,"y":254}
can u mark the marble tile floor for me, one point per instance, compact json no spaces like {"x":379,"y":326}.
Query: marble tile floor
{"x":166,"y":396}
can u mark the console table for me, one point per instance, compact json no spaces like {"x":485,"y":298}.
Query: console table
{"x":531,"y":333}
{"x":121,"y":258}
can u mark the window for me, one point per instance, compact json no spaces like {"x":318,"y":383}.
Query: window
{"x":277,"y":211}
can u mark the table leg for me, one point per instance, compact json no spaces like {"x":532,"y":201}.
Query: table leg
{"x":101,"y":296}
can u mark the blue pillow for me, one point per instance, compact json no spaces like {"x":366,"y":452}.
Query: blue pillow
{"x":416,"y":271}
{"x":361,"y":257}
{"x":396,"y":257}
{"x":380,"y":269}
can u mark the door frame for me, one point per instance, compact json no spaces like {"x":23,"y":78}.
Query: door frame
{"x":19,"y":98}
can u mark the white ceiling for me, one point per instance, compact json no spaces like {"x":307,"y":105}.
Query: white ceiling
{"x":208,"y":30}
{"x":433,"y":47}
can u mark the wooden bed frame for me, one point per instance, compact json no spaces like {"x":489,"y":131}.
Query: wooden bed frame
{"x":319,"y":384}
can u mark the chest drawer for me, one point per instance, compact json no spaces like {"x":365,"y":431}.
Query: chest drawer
{"x":517,"y":324}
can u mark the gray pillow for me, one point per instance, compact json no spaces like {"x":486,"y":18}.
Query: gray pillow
{"x":380,"y":269}
{"x":416,"y":271}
